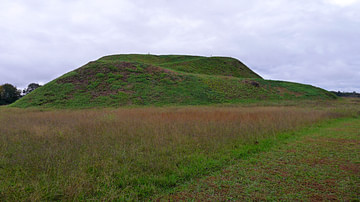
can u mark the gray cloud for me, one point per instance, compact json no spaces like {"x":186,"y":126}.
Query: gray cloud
{"x":309,"y":41}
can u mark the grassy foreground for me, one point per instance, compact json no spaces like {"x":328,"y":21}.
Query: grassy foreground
{"x":317,"y":164}
{"x":130,"y":154}
{"x":141,"y":153}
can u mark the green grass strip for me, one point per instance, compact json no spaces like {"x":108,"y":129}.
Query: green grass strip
{"x":320,"y":162}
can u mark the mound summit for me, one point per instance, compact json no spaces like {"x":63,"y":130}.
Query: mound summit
{"x":133,"y":79}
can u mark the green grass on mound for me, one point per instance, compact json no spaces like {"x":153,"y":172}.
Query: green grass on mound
{"x":121,"y":80}
{"x":224,"y":66}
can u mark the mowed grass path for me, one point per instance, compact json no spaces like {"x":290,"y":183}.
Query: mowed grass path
{"x":317,"y":164}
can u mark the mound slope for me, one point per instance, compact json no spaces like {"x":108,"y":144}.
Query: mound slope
{"x":119,"y":80}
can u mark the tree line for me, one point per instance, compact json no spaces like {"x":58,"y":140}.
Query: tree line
{"x":347,"y":94}
{"x":9,"y":93}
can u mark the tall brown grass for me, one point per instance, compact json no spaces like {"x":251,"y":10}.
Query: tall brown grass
{"x":127,"y":153}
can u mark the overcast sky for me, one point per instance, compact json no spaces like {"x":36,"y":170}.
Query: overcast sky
{"x":315,"y":42}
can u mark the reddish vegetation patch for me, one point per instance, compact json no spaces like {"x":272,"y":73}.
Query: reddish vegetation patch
{"x":88,"y":74}
{"x":291,"y":151}
{"x":253,"y":83}
{"x":317,"y":185}
{"x":319,"y":161}
{"x":351,"y":167}
{"x":98,"y":73}
{"x":284,"y":91}
{"x":278,"y":172}
{"x":341,"y":140}
{"x":319,"y":197}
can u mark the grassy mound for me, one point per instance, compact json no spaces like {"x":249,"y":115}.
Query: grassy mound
{"x":191,"y":64}
{"x":120,"y":80}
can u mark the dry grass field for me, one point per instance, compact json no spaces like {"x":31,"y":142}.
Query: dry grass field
{"x":133,"y":153}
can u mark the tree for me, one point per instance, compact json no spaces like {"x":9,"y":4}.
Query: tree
{"x":2,"y":102}
{"x":9,"y":94}
{"x":30,"y":88}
